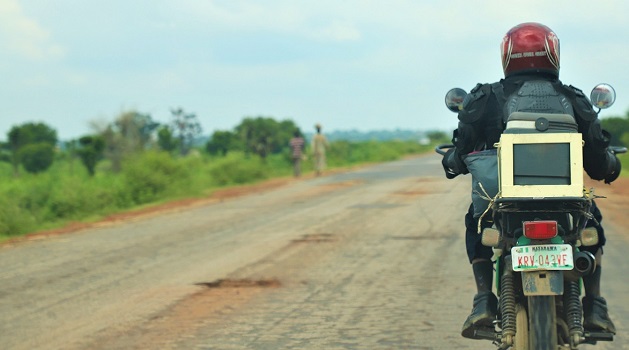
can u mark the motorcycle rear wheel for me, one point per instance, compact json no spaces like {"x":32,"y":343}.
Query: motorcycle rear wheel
{"x":542,"y":323}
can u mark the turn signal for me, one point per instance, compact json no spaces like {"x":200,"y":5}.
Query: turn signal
{"x":491,"y":237}
{"x":589,"y":236}
{"x":540,"y":229}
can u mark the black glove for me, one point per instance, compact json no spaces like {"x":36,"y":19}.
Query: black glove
{"x":614,"y":167}
{"x":452,"y":165}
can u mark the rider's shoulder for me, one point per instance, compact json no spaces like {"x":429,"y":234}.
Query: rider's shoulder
{"x":478,"y":92}
{"x":577,"y":92}
{"x":581,"y":104}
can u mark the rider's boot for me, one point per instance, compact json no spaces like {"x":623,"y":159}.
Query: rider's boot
{"x":595,"y":316}
{"x":485,"y":302}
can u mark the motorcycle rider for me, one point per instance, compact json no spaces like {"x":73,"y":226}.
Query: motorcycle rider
{"x":530,"y":61}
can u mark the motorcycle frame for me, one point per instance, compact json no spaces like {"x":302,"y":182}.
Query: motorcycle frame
{"x":566,"y":203}
{"x":508,"y":214}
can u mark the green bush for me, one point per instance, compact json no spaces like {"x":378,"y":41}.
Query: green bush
{"x":347,"y":153}
{"x":149,"y":175}
{"x":66,"y":191}
{"x":237,"y":169}
{"x":37,"y":157}
{"x":14,"y":220}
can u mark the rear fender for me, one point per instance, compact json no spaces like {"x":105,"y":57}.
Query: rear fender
{"x":542,"y":283}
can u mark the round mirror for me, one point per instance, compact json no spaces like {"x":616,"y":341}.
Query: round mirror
{"x":603,"y":96}
{"x":454,"y":99}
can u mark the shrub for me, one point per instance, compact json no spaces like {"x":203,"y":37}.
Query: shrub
{"x":46,"y":200}
{"x":14,"y":220}
{"x":37,"y":157}
{"x":238,"y":170}
{"x":149,"y":175}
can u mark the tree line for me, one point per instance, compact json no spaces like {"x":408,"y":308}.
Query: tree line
{"x":619,"y":129}
{"x":33,"y":146}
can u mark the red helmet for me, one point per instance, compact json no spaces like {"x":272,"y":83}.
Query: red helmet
{"x":530,"y":47}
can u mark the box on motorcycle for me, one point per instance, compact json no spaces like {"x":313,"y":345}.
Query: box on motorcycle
{"x":541,"y":156}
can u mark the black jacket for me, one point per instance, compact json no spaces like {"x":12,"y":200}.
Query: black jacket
{"x":482,"y":121}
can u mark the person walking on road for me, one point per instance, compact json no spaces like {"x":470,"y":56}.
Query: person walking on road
{"x":319,"y":145}
{"x":297,"y":144}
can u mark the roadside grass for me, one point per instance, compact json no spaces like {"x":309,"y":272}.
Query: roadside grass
{"x":624,"y":160}
{"x":66,"y":194}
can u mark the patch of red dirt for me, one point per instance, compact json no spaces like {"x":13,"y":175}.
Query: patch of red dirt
{"x":182,"y":319}
{"x":614,"y":205}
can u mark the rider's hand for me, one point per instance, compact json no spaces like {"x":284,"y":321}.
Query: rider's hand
{"x":450,"y":165}
{"x":616,"y":167}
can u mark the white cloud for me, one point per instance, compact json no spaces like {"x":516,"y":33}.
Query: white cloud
{"x":239,"y":15}
{"x":363,"y":63}
{"x":24,"y":36}
{"x":338,"y":31}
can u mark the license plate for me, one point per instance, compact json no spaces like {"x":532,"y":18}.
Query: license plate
{"x":542,"y":257}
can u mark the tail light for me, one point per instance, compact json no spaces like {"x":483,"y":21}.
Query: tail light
{"x":540,"y":229}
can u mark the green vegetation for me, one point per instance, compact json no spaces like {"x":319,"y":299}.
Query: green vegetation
{"x":122,"y":167}
{"x":619,"y":129}
{"x":31,"y":145}
{"x":135,"y":161}
{"x":624,"y":160}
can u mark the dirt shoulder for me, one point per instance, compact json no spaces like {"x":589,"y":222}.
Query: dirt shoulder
{"x":615,"y":202}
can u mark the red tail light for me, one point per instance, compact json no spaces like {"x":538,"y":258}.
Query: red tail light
{"x":540,"y":229}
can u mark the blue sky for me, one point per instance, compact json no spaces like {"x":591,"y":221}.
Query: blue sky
{"x":361,"y":64}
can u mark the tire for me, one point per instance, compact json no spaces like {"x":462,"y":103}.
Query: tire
{"x":521,"y":341}
{"x":542,"y":323}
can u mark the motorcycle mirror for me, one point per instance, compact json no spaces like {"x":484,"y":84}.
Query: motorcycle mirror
{"x":454,"y":99}
{"x":603,"y":96}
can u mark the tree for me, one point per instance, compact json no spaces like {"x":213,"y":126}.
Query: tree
{"x":91,"y":151}
{"x":186,"y":127}
{"x":617,"y":126}
{"x":165,"y":139}
{"x":5,"y":154}
{"x":37,"y":157}
{"x":436,"y":135}
{"x":136,"y":130}
{"x":26,"y":134}
{"x":221,"y":142}
{"x":263,"y":135}
{"x":130,"y":133}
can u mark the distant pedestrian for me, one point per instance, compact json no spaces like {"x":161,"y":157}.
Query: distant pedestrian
{"x":297,"y":145}
{"x":319,"y":145}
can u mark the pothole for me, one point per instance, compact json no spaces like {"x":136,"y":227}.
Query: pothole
{"x":316,"y":238}
{"x":241,"y":283}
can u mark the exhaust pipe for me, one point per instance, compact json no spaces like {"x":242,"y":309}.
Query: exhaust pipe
{"x":584,"y":265}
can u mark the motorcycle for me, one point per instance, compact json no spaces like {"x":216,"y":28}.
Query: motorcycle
{"x":539,"y":208}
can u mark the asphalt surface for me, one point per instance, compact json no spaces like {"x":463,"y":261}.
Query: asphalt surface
{"x":368,"y":259}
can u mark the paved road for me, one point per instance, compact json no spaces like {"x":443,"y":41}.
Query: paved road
{"x":370,"y":259}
